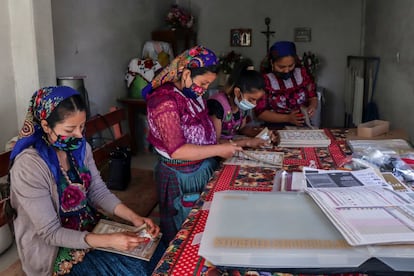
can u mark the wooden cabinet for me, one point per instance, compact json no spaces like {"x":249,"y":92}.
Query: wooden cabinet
{"x":180,"y":39}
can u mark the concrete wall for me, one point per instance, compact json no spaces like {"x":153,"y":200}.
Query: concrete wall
{"x":98,"y":38}
{"x":389,"y":33}
{"x":336,"y":33}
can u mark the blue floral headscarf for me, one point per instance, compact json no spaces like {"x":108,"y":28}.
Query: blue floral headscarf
{"x":196,"y":57}
{"x":43,"y":102}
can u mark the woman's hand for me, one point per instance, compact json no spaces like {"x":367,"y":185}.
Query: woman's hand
{"x":311,"y":111}
{"x":296,"y":118}
{"x":251,"y":131}
{"x":152,"y":228}
{"x":257,"y":143}
{"x":125,"y":241}
{"x":313,"y":105}
{"x":227,"y":150}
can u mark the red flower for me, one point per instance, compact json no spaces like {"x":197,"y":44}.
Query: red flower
{"x":86,"y":179}
{"x":72,"y":197}
{"x":148,"y":63}
{"x":194,"y":51}
{"x":71,"y":223}
{"x":43,"y":114}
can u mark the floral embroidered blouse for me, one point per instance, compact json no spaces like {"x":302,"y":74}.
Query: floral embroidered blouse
{"x":175,"y":120}
{"x":285,"y":96}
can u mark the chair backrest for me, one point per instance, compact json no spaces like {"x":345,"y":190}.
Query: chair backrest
{"x":4,"y":163}
{"x":99,"y":123}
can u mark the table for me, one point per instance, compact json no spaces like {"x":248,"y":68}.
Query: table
{"x":181,"y":257}
{"x":134,"y":106}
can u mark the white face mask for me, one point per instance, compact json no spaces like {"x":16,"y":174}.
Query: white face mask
{"x":244,"y":104}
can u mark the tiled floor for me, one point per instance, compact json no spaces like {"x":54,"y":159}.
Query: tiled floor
{"x":10,"y":258}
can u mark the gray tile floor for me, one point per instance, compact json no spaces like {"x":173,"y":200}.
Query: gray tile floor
{"x":145,"y":161}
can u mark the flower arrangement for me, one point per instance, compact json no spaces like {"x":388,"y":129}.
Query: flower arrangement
{"x":311,"y":62}
{"x":228,"y":61}
{"x":177,"y":17}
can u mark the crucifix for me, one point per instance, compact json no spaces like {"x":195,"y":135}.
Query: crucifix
{"x":267,"y":33}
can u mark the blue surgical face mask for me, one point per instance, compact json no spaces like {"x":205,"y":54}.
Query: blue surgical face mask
{"x":284,"y":76}
{"x":244,"y":104}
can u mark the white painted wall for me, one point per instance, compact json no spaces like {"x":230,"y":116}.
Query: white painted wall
{"x":390,"y":30}
{"x":26,"y":38}
{"x":98,"y":38}
{"x":8,"y":114}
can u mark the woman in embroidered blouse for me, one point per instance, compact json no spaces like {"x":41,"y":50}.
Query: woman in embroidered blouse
{"x":229,"y":109}
{"x":288,"y":88}
{"x":182,"y":134}
{"x":56,"y":190}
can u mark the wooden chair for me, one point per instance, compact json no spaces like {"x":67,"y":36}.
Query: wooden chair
{"x":6,"y":237}
{"x":101,"y":123}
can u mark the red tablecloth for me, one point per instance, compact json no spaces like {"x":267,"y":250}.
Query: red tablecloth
{"x":181,"y":257}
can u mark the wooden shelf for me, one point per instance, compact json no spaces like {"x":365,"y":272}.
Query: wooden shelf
{"x":180,"y":39}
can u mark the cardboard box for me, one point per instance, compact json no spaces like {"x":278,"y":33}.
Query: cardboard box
{"x":373,"y":128}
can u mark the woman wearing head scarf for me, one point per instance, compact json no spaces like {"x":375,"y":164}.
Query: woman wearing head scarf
{"x":288,"y":88}
{"x":56,"y":189}
{"x":182,"y":134}
{"x":229,"y":109}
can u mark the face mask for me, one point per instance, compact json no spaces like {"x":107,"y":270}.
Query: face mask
{"x":194,"y":91}
{"x":67,"y":143}
{"x":244,"y":104}
{"x":284,"y":76}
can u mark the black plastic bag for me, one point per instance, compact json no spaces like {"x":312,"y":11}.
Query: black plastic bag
{"x":119,"y":171}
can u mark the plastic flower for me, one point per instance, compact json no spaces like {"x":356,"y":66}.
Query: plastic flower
{"x":311,"y":62}
{"x":228,"y":61}
{"x":177,"y":17}
{"x":72,"y":197}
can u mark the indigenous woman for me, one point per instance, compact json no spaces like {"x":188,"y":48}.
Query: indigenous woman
{"x":56,"y":190}
{"x":182,"y":134}
{"x":229,"y":109}
{"x":288,"y":88}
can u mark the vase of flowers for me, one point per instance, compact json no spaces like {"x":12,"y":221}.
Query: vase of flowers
{"x":178,"y":17}
{"x":228,"y":61}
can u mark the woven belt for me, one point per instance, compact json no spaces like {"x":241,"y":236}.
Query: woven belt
{"x":177,"y":162}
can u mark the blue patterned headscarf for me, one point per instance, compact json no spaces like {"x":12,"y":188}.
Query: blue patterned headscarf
{"x":43,"y":102}
{"x":196,"y":57}
{"x":282,"y":49}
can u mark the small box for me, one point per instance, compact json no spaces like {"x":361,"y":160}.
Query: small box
{"x":373,"y":128}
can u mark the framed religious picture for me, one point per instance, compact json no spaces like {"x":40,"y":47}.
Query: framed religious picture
{"x":241,"y":37}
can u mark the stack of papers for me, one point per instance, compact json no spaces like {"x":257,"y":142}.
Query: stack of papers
{"x":303,"y":138}
{"x":368,"y":214}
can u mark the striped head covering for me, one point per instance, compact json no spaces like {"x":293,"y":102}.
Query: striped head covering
{"x":196,"y":57}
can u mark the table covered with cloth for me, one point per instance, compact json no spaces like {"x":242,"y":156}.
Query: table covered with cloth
{"x":181,"y":256}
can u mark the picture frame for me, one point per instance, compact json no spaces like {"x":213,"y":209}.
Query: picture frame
{"x":303,"y":34}
{"x":241,"y":37}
